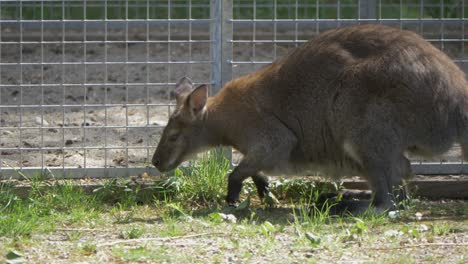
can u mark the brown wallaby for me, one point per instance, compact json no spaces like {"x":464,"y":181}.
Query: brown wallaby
{"x":350,"y":101}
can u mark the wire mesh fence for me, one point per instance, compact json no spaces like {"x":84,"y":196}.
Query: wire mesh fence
{"x":85,"y":86}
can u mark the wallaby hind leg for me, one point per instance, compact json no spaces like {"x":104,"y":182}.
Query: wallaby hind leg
{"x":385,"y":171}
{"x":385,"y":176}
{"x":464,"y":148}
{"x":378,"y":149}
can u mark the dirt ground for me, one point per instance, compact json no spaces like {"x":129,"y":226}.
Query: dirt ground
{"x":101,"y":124}
{"x":436,"y":238}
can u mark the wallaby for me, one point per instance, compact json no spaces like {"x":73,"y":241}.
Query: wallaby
{"x":351,"y":101}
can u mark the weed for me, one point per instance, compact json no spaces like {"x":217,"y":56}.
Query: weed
{"x":175,"y":211}
{"x":441,"y":229}
{"x":120,"y":215}
{"x":203,"y":181}
{"x":74,"y":235}
{"x":89,"y":249}
{"x":7,"y":198}
{"x":115,"y":191}
{"x":301,"y":189}
{"x":132,"y":232}
{"x":307,"y":214}
{"x":267,"y":229}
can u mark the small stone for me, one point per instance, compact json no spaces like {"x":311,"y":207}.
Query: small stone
{"x":314,"y":239}
{"x":68,"y":142}
{"x":418,"y":216}
{"x":53,"y":130}
{"x":41,"y":121}
{"x":423,"y":228}
{"x":27,"y":144}
{"x":228,"y":217}
{"x":393,"y":214}
{"x":393,"y":233}
{"x":7,"y":133}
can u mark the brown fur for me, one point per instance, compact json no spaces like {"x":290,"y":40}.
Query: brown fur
{"x":352,"y":100}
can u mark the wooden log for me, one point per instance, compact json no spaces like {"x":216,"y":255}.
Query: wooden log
{"x":429,"y":187}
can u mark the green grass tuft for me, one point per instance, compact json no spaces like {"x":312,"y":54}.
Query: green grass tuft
{"x":203,"y":181}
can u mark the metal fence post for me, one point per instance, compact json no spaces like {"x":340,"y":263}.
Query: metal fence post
{"x":221,"y":48}
{"x":367,"y":9}
{"x":216,"y":44}
{"x":221,"y":35}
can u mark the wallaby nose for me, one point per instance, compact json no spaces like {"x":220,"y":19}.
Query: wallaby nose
{"x":156,"y":161}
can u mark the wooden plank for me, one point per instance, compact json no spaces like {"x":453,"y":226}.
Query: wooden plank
{"x":429,"y":187}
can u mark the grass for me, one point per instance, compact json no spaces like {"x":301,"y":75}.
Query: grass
{"x":184,"y":220}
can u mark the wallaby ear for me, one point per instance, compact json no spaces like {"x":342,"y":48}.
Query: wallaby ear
{"x":197,"y":99}
{"x":183,"y":87}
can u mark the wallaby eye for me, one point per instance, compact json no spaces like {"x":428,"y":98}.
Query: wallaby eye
{"x":174,"y":137}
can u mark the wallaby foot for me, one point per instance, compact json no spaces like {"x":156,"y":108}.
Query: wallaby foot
{"x":261,"y":182}
{"x":232,"y":197}
{"x":234,"y":189}
{"x":235,"y":179}
{"x":346,"y":194}
{"x":352,"y":202}
{"x":349,"y":207}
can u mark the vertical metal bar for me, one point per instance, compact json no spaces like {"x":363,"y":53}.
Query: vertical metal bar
{"x":62,"y":81}
{"x":275,"y":28}
{"x":85,"y":88}
{"x":359,"y":9}
{"x":317,"y":17}
{"x":421,"y":16}
{"x":42,"y":87}
{"x":401,"y":14}
{"x":147,"y":81}
{"x":338,"y":12}
{"x":254,"y":33}
{"x":106,"y":96}
{"x":462,"y":22}
{"x":226,"y":36}
{"x":442,"y":25}
{"x":190,"y":37}
{"x":169,"y":52}
{"x":216,"y":42}
{"x":126,"y":84}
{"x":380,"y":12}
{"x":221,"y":47}
{"x":295,"y":24}
{"x":1,"y":61}
{"x":367,"y":9}
{"x":21,"y":85}
{"x":462,"y":15}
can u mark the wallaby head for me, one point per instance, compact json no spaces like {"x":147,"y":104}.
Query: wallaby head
{"x":182,"y":136}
